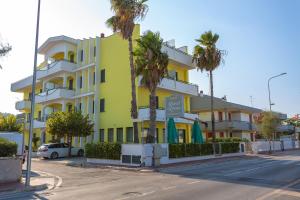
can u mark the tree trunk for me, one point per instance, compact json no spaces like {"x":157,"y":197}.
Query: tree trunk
{"x":134,"y":113}
{"x":151,"y":138}
{"x":70,"y":145}
{"x":212,"y":106}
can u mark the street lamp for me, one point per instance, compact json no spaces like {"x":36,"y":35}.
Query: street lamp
{"x":270,"y":104}
{"x":28,"y":168}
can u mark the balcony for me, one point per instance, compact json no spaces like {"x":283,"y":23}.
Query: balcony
{"x":176,"y":86}
{"x":21,"y":84}
{"x":37,"y":123}
{"x":23,"y":105}
{"x":144,"y":115}
{"x":55,"y":68}
{"x":233,"y":125}
{"x":178,"y":56}
{"x":54,"y":94}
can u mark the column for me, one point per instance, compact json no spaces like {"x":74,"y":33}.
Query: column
{"x":64,"y":106}
{"x":65,"y":80}
{"x":76,"y":82}
{"x":97,"y":88}
{"x":89,"y":79}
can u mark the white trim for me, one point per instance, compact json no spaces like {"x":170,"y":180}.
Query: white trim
{"x":84,"y":67}
{"x":83,"y":95}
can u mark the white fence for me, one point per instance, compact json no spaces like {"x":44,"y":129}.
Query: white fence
{"x":263,"y":146}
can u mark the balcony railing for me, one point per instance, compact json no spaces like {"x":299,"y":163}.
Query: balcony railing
{"x":23,"y":105}
{"x":53,"y":94}
{"x":55,"y":67}
{"x":233,"y":125}
{"x":144,"y":115}
{"x":176,"y":86}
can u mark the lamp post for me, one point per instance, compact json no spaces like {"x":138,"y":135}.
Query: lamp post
{"x":270,"y":103}
{"x":28,"y":168}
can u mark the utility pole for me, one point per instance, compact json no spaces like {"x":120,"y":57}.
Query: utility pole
{"x":28,"y":173}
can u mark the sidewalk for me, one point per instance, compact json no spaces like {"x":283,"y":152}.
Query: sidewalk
{"x":39,"y":181}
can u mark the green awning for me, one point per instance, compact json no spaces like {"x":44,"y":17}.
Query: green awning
{"x":197,"y":133}
{"x":172,"y":132}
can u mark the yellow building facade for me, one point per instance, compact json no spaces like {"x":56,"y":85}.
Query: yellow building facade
{"x":93,"y":76}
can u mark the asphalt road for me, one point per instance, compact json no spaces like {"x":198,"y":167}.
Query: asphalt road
{"x":263,"y":178}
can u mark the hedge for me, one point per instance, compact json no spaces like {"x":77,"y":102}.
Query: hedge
{"x":229,"y":139}
{"x":7,"y":148}
{"x":230,"y":147}
{"x":190,"y":150}
{"x":110,"y":151}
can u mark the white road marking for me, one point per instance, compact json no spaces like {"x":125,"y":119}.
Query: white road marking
{"x":169,"y":188}
{"x":193,"y":182}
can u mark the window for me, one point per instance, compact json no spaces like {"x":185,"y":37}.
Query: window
{"x":102,"y":75}
{"x":72,"y":58}
{"x":101,"y":131}
{"x":110,"y":135}
{"x":94,"y":78}
{"x":71,"y":84}
{"x":40,"y":116}
{"x":221,"y":134}
{"x":181,"y":136}
{"x":229,"y":116}
{"x":80,"y":81}
{"x":93,"y":107}
{"x":156,"y":102}
{"x":79,"y":106}
{"x":220,"y":116}
{"x":81,"y":55}
{"x":28,"y":117}
{"x":120,"y":135}
{"x":94,"y":51}
{"x":129,"y":135}
{"x":102,"y":105}
{"x":176,"y":76}
{"x":70,"y":108}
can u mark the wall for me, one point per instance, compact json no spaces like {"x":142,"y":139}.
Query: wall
{"x":11,"y":170}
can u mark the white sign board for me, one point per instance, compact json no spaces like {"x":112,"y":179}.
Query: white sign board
{"x":175,"y":106}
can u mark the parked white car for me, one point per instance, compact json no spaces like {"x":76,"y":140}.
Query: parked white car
{"x":57,"y":150}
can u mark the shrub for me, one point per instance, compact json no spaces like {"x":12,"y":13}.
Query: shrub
{"x":7,"y":148}
{"x":189,"y":150}
{"x":103,"y":151}
{"x":232,"y":147}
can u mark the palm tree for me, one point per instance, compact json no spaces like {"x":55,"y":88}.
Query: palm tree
{"x":4,"y":49}
{"x":208,"y":57}
{"x":151,"y":64}
{"x":127,"y":12}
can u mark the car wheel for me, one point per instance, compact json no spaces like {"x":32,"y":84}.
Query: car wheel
{"x":54,"y":155}
{"x":80,"y":153}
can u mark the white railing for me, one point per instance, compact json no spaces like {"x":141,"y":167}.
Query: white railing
{"x":22,"y":105}
{"x":55,"y":67}
{"x":57,"y":93}
{"x":176,"y":86}
{"x":144,"y":115}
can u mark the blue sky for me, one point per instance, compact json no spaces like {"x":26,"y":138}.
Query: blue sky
{"x":260,"y":36}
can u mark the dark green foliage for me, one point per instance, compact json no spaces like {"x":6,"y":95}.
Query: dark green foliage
{"x":189,"y":150}
{"x":7,"y":148}
{"x":232,"y":147}
{"x":110,"y":151}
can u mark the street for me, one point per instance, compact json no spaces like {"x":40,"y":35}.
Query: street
{"x":251,"y":177}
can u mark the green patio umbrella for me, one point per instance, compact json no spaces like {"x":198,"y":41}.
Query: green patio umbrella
{"x":172,"y":132}
{"x":197,"y":133}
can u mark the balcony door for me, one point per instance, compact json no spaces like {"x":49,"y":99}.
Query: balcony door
{"x":71,"y":84}
{"x":181,"y":136}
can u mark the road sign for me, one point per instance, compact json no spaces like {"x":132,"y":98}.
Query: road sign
{"x":174,"y":106}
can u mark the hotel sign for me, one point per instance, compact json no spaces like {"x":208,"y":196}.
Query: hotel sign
{"x":175,"y":106}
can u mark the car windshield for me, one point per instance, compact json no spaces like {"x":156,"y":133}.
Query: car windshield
{"x":44,"y":146}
